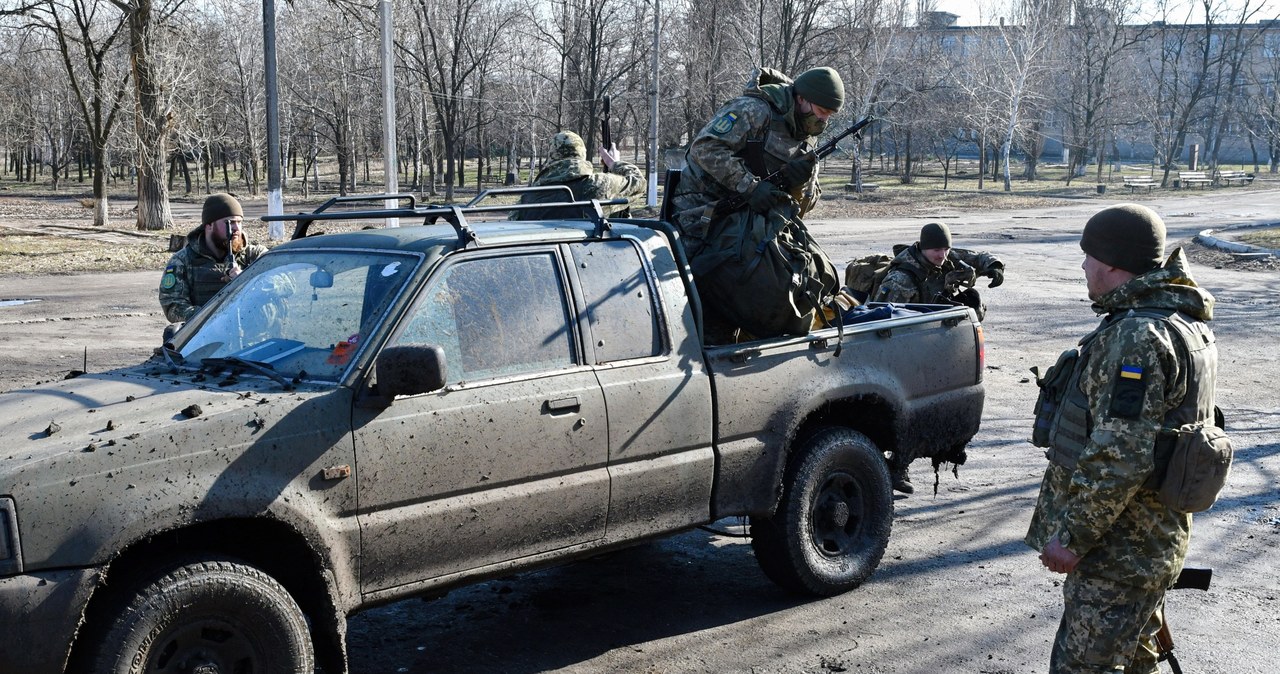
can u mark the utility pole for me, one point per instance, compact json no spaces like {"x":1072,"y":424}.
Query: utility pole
{"x":652,"y":199}
{"x":390,"y":165}
{"x":275,"y":194}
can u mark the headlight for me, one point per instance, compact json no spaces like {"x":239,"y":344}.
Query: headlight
{"x":10,"y":551}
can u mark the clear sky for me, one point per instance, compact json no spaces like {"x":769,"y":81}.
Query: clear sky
{"x":968,"y":10}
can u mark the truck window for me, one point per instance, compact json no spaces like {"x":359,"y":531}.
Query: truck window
{"x":621,"y":305}
{"x":496,"y":316}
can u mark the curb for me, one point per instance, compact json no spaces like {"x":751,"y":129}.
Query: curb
{"x":1206,"y":238}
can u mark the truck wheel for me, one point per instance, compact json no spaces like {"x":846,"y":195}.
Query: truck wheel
{"x":206,"y":618}
{"x":833,"y":523}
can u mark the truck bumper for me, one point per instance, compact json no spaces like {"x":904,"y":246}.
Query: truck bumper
{"x":39,"y":615}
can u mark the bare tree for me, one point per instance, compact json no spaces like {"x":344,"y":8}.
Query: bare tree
{"x":86,"y":32}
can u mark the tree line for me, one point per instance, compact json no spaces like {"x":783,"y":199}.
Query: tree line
{"x":168,"y":95}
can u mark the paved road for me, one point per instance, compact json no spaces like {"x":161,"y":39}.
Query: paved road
{"x":957,"y":591}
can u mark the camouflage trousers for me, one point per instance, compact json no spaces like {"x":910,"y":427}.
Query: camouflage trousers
{"x":1106,"y":627}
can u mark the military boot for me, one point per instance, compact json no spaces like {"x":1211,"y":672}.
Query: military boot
{"x":901,"y":478}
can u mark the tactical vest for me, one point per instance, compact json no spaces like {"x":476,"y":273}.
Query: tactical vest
{"x":1071,"y":426}
{"x":207,"y":278}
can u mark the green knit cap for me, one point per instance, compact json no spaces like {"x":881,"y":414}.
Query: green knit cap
{"x":821,"y":86}
{"x":1128,"y":236}
{"x":935,"y":235}
{"x":219,"y":206}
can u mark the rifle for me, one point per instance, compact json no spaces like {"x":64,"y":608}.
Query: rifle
{"x":606,"y":139}
{"x":733,"y":203}
{"x":1195,"y":579}
{"x":231,"y":255}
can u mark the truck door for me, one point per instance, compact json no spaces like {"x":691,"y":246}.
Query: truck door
{"x":657,"y":393}
{"x":509,"y":459}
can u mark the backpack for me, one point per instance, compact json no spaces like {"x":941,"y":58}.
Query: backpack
{"x":863,"y":276}
{"x":764,"y":274}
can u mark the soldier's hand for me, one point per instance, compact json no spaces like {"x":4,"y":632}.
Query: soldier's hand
{"x":765,"y":196}
{"x":1057,"y":558}
{"x":963,"y":276}
{"x":996,"y":274}
{"x":798,"y":171}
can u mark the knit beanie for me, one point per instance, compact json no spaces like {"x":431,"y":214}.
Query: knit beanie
{"x":1128,"y":236}
{"x":935,"y":235}
{"x":821,"y":86}
{"x":219,"y":206}
{"x":568,"y":145}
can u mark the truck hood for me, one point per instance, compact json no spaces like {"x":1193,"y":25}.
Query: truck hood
{"x":96,"y":411}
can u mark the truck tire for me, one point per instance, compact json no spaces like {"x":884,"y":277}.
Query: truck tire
{"x":208,"y":616}
{"x":832,"y":525}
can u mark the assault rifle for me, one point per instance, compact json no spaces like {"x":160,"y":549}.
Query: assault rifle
{"x":1195,"y":579}
{"x":733,"y":203}
{"x":231,"y":255}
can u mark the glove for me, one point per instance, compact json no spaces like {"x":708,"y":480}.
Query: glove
{"x":996,"y":274}
{"x":765,"y":196}
{"x":797,"y":171}
{"x":955,"y":279}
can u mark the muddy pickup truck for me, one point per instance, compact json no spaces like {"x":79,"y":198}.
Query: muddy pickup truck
{"x":366,"y":416}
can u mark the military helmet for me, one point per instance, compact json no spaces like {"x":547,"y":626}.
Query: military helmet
{"x":568,"y":145}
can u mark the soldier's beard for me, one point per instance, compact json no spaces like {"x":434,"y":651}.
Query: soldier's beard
{"x":811,"y":125}
{"x":237,"y":243}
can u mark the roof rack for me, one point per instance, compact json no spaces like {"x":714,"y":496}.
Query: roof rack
{"x":454,"y":215}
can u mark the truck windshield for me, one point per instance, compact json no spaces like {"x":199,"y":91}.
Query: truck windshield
{"x":303,"y":314}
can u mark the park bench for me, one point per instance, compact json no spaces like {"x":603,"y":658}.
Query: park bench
{"x":1228,"y":177}
{"x":1193,"y":179}
{"x":1134,"y":182}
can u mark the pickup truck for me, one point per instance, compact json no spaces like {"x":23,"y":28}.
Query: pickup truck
{"x":366,"y":416}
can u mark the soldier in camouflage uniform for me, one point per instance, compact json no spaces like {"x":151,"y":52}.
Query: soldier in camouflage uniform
{"x":569,"y":166}
{"x":208,"y":261}
{"x":930,"y":271}
{"x":773,"y":126}
{"x":1098,"y":519}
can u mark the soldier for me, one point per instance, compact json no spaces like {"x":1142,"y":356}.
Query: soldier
{"x":930,"y":272}
{"x":215,"y":253}
{"x":570,"y":167}
{"x":1150,"y":365}
{"x":772,"y":126}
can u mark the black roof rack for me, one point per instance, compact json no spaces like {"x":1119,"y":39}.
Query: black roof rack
{"x":454,"y":215}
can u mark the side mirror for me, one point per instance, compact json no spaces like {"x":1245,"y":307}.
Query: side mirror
{"x":409,"y":370}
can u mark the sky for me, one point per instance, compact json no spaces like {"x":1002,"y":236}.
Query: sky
{"x":969,"y":12}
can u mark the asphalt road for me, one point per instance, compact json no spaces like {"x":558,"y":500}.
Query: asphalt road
{"x":957,"y":590}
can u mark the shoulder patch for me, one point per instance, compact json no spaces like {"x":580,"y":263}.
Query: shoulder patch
{"x":722,"y":125}
{"x":168,"y":280}
{"x":1127,"y":397}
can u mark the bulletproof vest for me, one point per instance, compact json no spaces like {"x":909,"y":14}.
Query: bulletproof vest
{"x":770,"y":147}
{"x":207,"y":278}
{"x":1072,"y":426}
{"x":576,"y":185}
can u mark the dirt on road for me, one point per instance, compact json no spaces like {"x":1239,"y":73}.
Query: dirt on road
{"x":957,"y":590}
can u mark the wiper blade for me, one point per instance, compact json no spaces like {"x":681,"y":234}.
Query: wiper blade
{"x":231,"y":362}
{"x":171,"y":356}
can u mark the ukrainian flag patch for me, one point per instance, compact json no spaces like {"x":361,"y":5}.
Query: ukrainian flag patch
{"x":722,"y":125}
{"x":1130,"y":372}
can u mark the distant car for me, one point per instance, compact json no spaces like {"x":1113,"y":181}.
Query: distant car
{"x":367,"y":416}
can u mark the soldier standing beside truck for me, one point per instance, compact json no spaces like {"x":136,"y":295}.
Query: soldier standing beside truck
{"x":215,"y":253}
{"x":1141,"y":383}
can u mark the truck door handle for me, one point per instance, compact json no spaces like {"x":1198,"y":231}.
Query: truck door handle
{"x":562,"y":405}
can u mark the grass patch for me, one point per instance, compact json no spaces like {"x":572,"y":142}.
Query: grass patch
{"x":1266,"y":238}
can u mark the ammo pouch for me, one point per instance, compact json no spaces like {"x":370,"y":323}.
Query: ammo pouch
{"x":1053,"y":389}
{"x":1192,"y":463}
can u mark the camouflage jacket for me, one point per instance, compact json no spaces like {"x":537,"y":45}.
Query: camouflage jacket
{"x":718,"y":161}
{"x":195,"y":274}
{"x":912,"y":278}
{"x":1100,"y":510}
{"x":623,"y":180}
